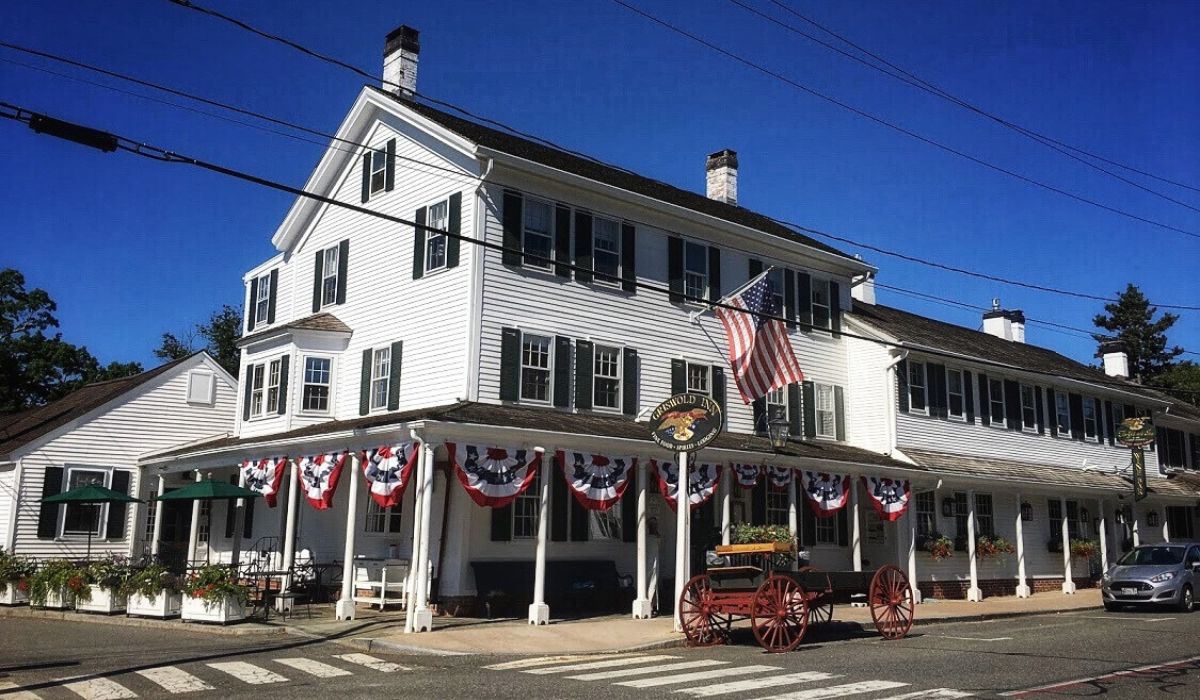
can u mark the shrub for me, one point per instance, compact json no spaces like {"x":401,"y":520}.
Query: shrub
{"x":110,"y":573}
{"x":745,"y":533}
{"x":214,"y":583}
{"x":152,"y":580}
{"x":15,"y":570}
{"x":58,"y":575}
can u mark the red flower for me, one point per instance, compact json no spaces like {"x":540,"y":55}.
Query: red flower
{"x":23,"y":585}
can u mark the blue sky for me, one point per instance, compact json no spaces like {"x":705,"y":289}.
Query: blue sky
{"x":130,"y":248}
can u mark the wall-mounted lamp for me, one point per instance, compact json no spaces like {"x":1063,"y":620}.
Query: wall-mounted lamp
{"x":1026,"y":511}
{"x":948,"y":507}
{"x":1152,"y":518}
{"x":1083,"y":514}
{"x":778,"y":429}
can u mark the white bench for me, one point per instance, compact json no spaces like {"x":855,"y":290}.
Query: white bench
{"x":384,"y":580}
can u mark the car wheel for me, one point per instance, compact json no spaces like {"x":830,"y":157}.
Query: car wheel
{"x":1186,"y":600}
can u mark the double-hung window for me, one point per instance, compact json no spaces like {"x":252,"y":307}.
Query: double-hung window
{"x":826,"y":530}
{"x":606,"y":381}
{"x":1089,"y":417}
{"x":1062,"y":413}
{"x":826,"y":419}
{"x":777,"y":506}
{"x":535,"y":368}
{"x":526,"y":509}
{"x":926,"y":514}
{"x":996,"y":401}
{"x":917,"y":401}
{"x":961,"y":515}
{"x":698,"y":379}
{"x":695,"y":271}
{"x":1118,"y":415}
{"x":82,"y":518}
{"x":381,"y":377}
{"x":273,"y":381}
{"x":606,"y":250}
{"x":984,"y":515}
{"x":329,"y":277}
{"x":382,"y":520}
{"x":435,"y":238}
{"x":776,"y":405}
{"x":955,"y":403}
{"x":1028,"y":407}
{"x":378,"y":170}
{"x":316,"y":384}
{"x":262,"y":299}
{"x":257,"y":387}
{"x":821,"y":303}
{"x":538,"y":234}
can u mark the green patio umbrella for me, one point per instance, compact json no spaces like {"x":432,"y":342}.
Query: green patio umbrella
{"x":208,"y":490}
{"x":93,"y":495}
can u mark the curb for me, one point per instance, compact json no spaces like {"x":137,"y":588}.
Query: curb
{"x":237,"y":630}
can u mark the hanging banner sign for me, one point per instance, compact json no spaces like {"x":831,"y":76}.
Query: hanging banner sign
{"x":702,"y":481}
{"x":493,"y":476}
{"x":597,"y":481}
{"x":779,"y":477}
{"x":747,"y":475}
{"x":685,"y":422}
{"x":387,"y":470}
{"x":888,"y":496}
{"x":827,"y":493}
{"x":264,"y":476}
{"x":318,"y":477}
{"x":1135,"y":432}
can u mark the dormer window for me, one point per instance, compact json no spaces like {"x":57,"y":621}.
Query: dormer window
{"x":262,"y":299}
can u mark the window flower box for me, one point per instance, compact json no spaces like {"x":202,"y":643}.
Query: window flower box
{"x":58,"y":584}
{"x":15,"y":593}
{"x":163,"y":604}
{"x":213,"y":594}
{"x":14,"y":578}
{"x":101,"y":600}
{"x":105,"y":592}
{"x":226,"y":609}
{"x":59,"y":599}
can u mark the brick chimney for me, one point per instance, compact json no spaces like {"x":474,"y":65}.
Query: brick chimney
{"x":1116,"y":359}
{"x":722,"y":176}
{"x":1004,"y":323}
{"x":400,"y":51}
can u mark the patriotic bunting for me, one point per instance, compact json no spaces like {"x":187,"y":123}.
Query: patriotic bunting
{"x":318,"y":477}
{"x":889,"y":496}
{"x":387,"y":470}
{"x":779,"y":477}
{"x":747,"y":475}
{"x":597,"y":481}
{"x":702,"y":481}
{"x":493,"y":476}
{"x":264,"y":476}
{"x":827,"y":493}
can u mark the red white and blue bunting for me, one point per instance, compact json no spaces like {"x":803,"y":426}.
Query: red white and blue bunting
{"x":318,"y":477}
{"x":889,"y":496}
{"x":387,"y":470}
{"x":827,"y":493}
{"x":780,"y":477}
{"x":264,"y":476}
{"x":746,"y":475}
{"x":493,"y":476}
{"x":597,"y":481}
{"x":702,"y":481}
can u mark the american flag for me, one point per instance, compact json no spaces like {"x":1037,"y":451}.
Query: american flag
{"x":760,"y":352}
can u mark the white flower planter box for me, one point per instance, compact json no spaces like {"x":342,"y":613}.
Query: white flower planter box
{"x":163,"y":605}
{"x":58,"y":600}
{"x":11,"y":596}
{"x":103,"y":601}
{"x":223,"y":611}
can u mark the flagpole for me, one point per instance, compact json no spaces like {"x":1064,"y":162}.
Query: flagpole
{"x":692,"y":317}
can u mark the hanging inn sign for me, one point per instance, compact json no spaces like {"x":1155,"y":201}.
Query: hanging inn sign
{"x":1136,"y":433}
{"x":685,"y":422}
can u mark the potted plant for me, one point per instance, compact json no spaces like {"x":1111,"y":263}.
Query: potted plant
{"x":106,"y":586}
{"x":745,"y":533}
{"x":213,"y":594}
{"x":153,"y":592}
{"x":939,"y":546}
{"x":992,"y":546}
{"x":14,"y":578}
{"x":57,"y":584}
{"x":1084,"y":549}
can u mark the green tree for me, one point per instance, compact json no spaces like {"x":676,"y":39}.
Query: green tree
{"x":217,"y":336}
{"x":1184,"y":379}
{"x":1130,"y":319}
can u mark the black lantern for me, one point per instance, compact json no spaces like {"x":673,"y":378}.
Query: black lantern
{"x":778,"y":430}
{"x":948,"y":507}
{"x":1083,"y":514}
{"x":1026,"y":511}
{"x":1152,"y":518}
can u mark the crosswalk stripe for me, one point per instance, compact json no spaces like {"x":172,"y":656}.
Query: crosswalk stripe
{"x":548,"y":660}
{"x":607,"y":663}
{"x":838,"y":691}
{"x":12,"y":691}
{"x":643,"y":670}
{"x":758,"y":683}
{"x":314,"y":667}
{"x":935,"y":694}
{"x":248,"y":673}
{"x":100,"y":689}
{"x":174,"y":680}
{"x":697,"y":676}
{"x":371,"y":662}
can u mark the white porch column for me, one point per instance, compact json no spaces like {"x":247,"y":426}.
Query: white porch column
{"x":682,"y":503}
{"x":1165,"y":527}
{"x":194,"y":533}
{"x":793,"y":513}
{"x":912,"y":552}
{"x":1103,"y":536}
{"x":539,"y":612}
{"x":1068,"y":585}
{"x":1137,"y":537}
{"x":158,"y":517}
{"x":726,"y":487}
{"x":239,"y":522}
{"x":642,"y":607}
{"x":289,"y":533}
{"x":855,"y":525}
{"x":345,"y":604}
{"x":411,"y":581}
{"x":973,"y":593}
{"x":422,"y":615}
{"x":1023,"y":590}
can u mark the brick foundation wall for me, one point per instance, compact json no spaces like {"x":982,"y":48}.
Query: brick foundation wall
{"x":991,"y":588}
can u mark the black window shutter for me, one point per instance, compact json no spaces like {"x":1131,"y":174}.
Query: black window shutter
{"x":714,"y":274}
{"x":755,"y":267}
{"x":274,"y":293}
{"x":789,"y":297}
{"x":318,"y":273}
{"x":804,"y":301}
{"x":562,"y":371}
{"x":562,"y":241}
{"x":583,"y":247}
{"x":1075,"y":401}
{"x":47,"y":526}
{"x":366,"y":176}
{"x":902,"y":386}
{"x":283,"y":384}
{"x":1041,"y":410}
{"x":808,"y":523}
{"x":628,"y":258}
{"x":629,"y":383}
{"x":675,"y":268}
{"x":758,"y":502}
{"x":248,"y":520}
{"x":114,"y":528}
{"x":839,"y":412}
{"x":810,"y":411}
{"x":1012,"y":404}
{"x":678,"y":376}
{"x":629,"y":511}
{"x":389,"y":175}
{"x":502,"y":523}
{"x":758,"y":408}
{"x":985,"y":401}
{"x":835,"y":309}
{"x":364,"y":390}
{"x":968,"y":397}
{"x":843,"y":528}
{"x":343,"y":268}
{"x":394,"y":380}
{"x":718,"y":388}
{"x":584,"y":359}
{"x":510,"y":364}
{"x":1052,"y":403}
{"x":454,"y":226}
{"x":252,"y":307}
{"x":795,"y":417}
{"x":1112,"y":433}
{"x":579,"y":520}
{"x":249,"y":389}
{"x":418,"y":263}
{"x":513,"y":224}
{"x":559,"y":507}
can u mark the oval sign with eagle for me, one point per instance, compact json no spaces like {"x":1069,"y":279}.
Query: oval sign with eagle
{"x":686,"y":422}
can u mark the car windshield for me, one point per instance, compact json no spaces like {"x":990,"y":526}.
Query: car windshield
{"x":1153,"y":556}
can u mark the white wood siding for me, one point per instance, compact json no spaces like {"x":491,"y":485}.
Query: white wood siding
{"x":867,"y":396}
{"x":8,"y":499}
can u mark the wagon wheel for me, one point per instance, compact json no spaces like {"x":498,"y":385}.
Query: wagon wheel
{"x":819,"y":611}
{"x":779,"y":614}
{"x":891,"y":602}
{"x":705,"y":624}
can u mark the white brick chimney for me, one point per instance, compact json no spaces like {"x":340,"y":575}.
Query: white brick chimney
{"x":1003,"y":323}
{"x":1116,"y":360}
{"x":722,"y":168}
{"x":400,"y":51}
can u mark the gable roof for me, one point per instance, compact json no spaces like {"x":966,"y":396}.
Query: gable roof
{"x":27,"y":426}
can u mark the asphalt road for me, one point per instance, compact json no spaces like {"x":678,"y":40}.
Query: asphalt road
{"x":1138,"y":655}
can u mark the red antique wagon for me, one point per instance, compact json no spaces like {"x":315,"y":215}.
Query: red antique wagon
{"x":751,"y":582}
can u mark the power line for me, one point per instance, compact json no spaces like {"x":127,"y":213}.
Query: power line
{"x":896,"y":127}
